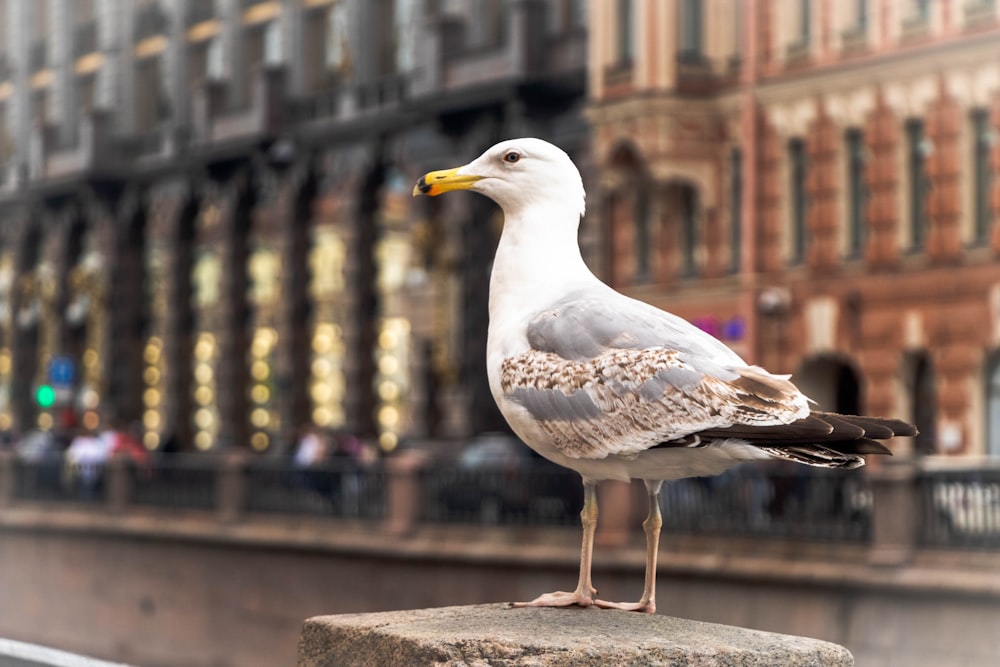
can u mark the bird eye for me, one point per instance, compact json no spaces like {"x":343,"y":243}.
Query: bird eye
{"x":511,"y":157}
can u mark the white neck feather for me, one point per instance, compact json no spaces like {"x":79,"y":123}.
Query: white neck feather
{"x":537,"y":262}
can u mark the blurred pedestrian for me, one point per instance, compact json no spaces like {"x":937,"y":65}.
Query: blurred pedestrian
{"x":85,"y":459}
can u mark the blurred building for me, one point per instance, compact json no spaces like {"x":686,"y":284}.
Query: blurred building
{"x":208,"y":224}
{"x":816,"y":183}
{"x":207,"y":217}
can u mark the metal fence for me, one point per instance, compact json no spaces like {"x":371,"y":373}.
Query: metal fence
{"x":771,"y":500}
{"x":338,"y":489}
{"x":535,"y":495}
{"x":51,"y":479}
{"x":960,"y":508}
{"x":176,"y":482}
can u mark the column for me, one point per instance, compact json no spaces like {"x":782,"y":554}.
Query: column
{"x":233,"y":377}
{"x":821,"y":186}
{"x":171,"y":229}
{"x":882,"y":176}
{"x":294,"y":342}
{"x":944,"y":243}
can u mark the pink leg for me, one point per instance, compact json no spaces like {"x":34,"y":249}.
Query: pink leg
{"x":651,"y":526}
{"x":583,"y":596}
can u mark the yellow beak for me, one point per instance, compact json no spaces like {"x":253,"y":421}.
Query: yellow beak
{"x":446,"y":180}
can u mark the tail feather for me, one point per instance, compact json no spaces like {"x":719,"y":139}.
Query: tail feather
{"x":824,"y":439}
{"x":816,"y":455}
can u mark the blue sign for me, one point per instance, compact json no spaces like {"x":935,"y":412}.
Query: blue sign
{"x":61,"y":371}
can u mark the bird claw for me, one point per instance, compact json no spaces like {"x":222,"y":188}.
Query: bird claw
{"x":648,"y":607}
{"x":559,"y":599}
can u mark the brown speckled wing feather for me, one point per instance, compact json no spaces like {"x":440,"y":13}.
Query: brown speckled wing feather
{"x":624,"y":401}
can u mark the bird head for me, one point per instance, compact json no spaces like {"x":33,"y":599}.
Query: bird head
{"x":515,"y":174}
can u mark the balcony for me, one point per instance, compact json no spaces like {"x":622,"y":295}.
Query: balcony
{"x":161,"y":143}
{"x":84,"y":149}
{"x":979,"y":14}
{"x":915,"y":28}
{"x":798,"y":54}
{"x":854,"y":40}
{"x":528,"y":52}
{"x":215,"y":120}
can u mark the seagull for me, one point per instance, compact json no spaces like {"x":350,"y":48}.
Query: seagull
{"x":615,"y":388}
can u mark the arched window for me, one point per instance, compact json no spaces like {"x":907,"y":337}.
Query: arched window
{"x":625,"y":41}
{"x":689,"y":231}
{"x":919,"y":381}
{"x":690,"y":32}
{"x":798,"y":200}
{"x":831,"y":382}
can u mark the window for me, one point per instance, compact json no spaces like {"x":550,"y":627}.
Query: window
{"x":735,"y":208}
{"x":689,"y":231}
{"x":7,"y":145}
{"x":983,"y":137}
{"x":625,"y":46}
{"x":804,"y":21}
{"x":917,"y":149}
{"x":199,"y":11}
{"x":488,"y":26}
{"x":272,"y":43}
{"x":326,"y":56}
{"x":335,"y":54}
{"x":857,"y":191}
{"x":921,"y":391}
{"x":861,"y":15}
{"x":642,"y":236}
{"x":38,"y":49}
{"x":993,"y":406}
{"x":85,"y":93}
{"x":384,"y":50}
{"x":572,"y":15}
{"x":147,"y":94}
{"x":214,"y":64}
{"x":41,"y":105}
{"x":854,"y":34}
{"x":798,"y":199}
{"x":691,"y":31}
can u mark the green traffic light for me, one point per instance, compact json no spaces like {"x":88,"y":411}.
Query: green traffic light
{"x":45,"y":396}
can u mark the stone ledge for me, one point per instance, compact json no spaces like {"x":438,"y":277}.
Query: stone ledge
{"x":495,"y":635}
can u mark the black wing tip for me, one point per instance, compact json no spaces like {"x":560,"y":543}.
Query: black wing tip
{"x":878,"y":428}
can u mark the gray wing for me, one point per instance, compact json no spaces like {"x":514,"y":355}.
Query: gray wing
{"x":610,"y":375}
{"x":586,"y":323}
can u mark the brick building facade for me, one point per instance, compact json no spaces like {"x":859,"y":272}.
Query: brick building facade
{"x":816,"y":182}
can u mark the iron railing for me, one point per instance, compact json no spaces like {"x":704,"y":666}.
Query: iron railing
{"x":176,"y":482}
{"x":536,"y":495}
{"x":337,"y":489}
{"x":960,"y":508}
{"x":51,"y":479}
{"x":771,"y":500}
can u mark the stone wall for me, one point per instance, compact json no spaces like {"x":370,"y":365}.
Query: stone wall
{"x":163,"y":591}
